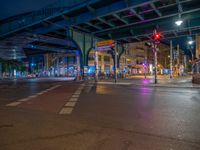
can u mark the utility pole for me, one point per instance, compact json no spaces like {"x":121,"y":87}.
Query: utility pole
{"x":171,"y":57}
{"x":115,"y":68}
{"x":96,"y":65}
{"x":178,"y":54}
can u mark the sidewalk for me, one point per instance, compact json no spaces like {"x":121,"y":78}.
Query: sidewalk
{"x":181,"y":82}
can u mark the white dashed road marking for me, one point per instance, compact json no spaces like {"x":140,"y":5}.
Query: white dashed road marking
{"x":70,"y":104}
{"x":15,"y":103}
{"x":33,"y":96}
{"x":77,"y":92}
{"x":73,"y":99}
{"x":66,"y":110}
{"x":74,"y":96}
{"x":24,"y":99}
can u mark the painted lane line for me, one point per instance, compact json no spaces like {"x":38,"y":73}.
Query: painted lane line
{"x":73,"y":99}
{"x":70,"y":104}
{"x":33,"y":96}
{"x":30,"y":97}
{"x":24,"y":99}
{"x":66,"y":110}
{"x":40,"y":93}
{"x":52,"y":88}
{"x":13,"y":104}
{"x":75,"y":96}
{"x":77,"y":92}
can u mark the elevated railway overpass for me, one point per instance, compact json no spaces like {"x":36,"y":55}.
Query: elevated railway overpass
{"x":69,"y":26}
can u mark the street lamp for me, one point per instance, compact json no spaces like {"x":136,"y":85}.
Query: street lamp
{"x":190,"y":46}
{"x":179,"y":21}
{"x":190,"y":42}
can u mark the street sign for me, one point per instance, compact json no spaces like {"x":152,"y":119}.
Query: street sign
{"x":104,"y":48}
{"x":105,"y":43}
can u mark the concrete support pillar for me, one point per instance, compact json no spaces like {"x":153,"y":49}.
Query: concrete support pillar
{"x":84,"y":51}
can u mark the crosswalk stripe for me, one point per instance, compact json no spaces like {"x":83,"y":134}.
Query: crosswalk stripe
{"x":75,"y":96}
{"x":66,"y":110}
{"x":70,"y":104}
{"x":73,"y":99}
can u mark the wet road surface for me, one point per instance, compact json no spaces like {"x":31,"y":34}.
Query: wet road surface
{"x":103,"y":117}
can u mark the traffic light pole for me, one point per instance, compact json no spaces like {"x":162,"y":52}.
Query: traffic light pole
{"x":156,"y":41}
{"x":155,"y":63}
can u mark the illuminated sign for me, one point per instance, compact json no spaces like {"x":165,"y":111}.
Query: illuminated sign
{"x":105,"y":45}
{"x":104,"y":48}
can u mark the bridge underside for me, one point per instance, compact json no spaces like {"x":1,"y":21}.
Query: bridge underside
{"x":86,"y":22}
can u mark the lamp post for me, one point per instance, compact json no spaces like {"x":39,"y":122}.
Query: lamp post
{"x":190,"y":44}
{"x":171,"y":58}
{"x":115,"y":69}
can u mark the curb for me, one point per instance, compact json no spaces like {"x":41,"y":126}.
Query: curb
{"x":166,"y":86}
{"x":151,"y":85}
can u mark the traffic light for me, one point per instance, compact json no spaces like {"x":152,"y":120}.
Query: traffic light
{"x":156,"y":36}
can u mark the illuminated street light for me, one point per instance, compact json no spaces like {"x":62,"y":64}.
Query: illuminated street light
{"x":179,"y":22}
{"x":190,"y":42}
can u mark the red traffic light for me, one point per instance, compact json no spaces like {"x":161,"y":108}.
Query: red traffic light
{"x":157,"y":36}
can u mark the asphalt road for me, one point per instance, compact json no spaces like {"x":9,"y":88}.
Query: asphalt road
{"x":101,"y":117}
